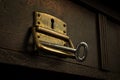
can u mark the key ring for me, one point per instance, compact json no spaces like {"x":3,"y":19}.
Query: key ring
{"x":81,"y":44}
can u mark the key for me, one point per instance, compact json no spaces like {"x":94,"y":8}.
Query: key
{"x":75,"y":51}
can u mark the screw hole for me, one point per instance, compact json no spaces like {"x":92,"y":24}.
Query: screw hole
{"x":38,"y":22}
{"x":38,"y":36}
{"x":64,"y":31}
{"x":65,"y":44}
{"x":64,"y":25}
{"x":38,"y":15}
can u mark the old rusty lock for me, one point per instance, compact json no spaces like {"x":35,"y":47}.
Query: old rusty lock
{"x":50,"y":33}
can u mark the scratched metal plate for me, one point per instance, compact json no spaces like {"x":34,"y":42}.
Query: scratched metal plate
{"x":52,"y":23}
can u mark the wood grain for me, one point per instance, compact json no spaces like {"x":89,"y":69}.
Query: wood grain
{"x":15,"y":23}
{"x":103,"y":41}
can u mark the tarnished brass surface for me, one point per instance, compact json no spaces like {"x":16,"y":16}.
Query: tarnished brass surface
{"x":50,"y":29}
{"x":50,"y":23}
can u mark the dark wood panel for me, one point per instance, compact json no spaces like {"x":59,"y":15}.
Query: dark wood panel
{"x":113,"y":45}
{"x":107,"y":7}
{"x":110,"y":45}
{"x":103,"y":41}
{"x":22,"y":72}
{"x":16,"y":18}
{"x":51,"y":64}
{"x":48,"y":63}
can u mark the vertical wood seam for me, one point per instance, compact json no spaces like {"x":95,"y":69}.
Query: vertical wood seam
{"x":103,"y":41}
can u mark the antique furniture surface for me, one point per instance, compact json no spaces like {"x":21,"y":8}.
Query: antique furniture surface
{"x":89,"y":21}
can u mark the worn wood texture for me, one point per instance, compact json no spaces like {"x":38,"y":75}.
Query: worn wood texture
{"x":110,"y":45}
{"x":103,"y":41}
{"x":113,"y":45}
{"x":49,"y":63}
{"x":17,"y":17}
{"x":22,"y":72}
{"x":107,"y":7}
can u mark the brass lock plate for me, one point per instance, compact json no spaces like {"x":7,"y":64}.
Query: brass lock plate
{"x":49,"y":22}
{"x":50,"y":33}
{"x":50,"y":29}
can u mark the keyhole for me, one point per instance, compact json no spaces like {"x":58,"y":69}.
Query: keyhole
{"x":52,"y":23}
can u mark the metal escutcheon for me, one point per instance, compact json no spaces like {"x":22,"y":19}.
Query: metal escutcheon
{"x":50,"y":33}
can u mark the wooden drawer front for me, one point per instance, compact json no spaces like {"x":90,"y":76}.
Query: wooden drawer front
{"x":17,"y":17}
{"x":110,"y":44}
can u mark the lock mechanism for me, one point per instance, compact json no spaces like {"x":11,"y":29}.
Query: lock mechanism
{"x":50,"y":33}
